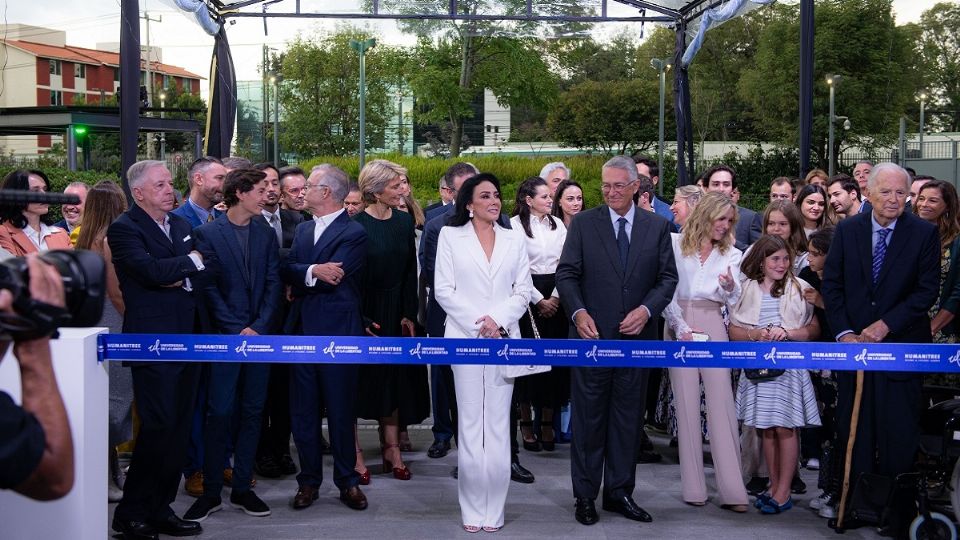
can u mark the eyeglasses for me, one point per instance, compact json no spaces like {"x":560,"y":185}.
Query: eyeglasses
{"x":618,"y":187}
{"x":308,"y":187}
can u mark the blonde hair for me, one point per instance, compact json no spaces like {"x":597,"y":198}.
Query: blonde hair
{"x":690,"y":193}
{"x":712,"y":206}
{"x":375,"y":176}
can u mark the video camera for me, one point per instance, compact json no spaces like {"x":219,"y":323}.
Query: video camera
{"x":83,"y":274}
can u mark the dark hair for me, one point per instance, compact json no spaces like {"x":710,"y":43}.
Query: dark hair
{"x":354,"y":187}
{"x":461,"y":216}
{"x":287,"y":171}
{"x":911,"y":172}
{"x":781,"y":180}
{"x":821,"y":239}
{"x":561,"y":187}
{"x":199,"y":165}
{"x":20,"y":180}
{"x":797,"y":243}
{"x":520,"y":208}
{"x":715,"y":169}
{"x":847,"y":183}
{"x":266,"y":165}
{"x":459,"y":169}
{"x":652,"y":165}
{"x":752,"y":264}
{"x":947,"y":224}
{"x":644,"y":185}
{"x":105,"y":202}
{"x":242,"y":181}
{"x":807,"y":191}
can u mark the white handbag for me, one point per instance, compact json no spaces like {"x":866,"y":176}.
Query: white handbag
{"x":513,"y":372}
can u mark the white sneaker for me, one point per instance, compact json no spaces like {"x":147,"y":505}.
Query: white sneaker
{"x":827,"y":511}
{"x":813,"y":464}
{"x":819,"y":502}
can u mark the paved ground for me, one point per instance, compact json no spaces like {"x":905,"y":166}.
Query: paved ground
{"x":426,"y":506}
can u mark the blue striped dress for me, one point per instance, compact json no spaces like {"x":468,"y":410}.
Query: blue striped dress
{"x":786,"y":401}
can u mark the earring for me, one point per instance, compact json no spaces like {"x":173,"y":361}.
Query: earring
{"x":471,"y":214}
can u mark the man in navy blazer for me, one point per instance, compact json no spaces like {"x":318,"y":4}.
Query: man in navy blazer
{"x":323,"y":269}
{"x":242,"y":293}
{"x":616,"y":275}
{"x":723,"y":179}
{"x":206,"y":191}
{"x":882,"y":294}
{"x":648,"y":167}
{"x":158,"y":270}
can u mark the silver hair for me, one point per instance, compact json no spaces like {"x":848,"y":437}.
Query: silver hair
{"x":137,"y":173}
{"x":77,"y":185}
{"x":887,"y":167}
{"x":623,"y":163}
{"x":334,"y":178}
{"x":552,"y":166}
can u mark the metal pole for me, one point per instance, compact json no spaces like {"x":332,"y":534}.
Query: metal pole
{"x":807,"y":25}
{"x":903,"y":141}
{"x":830,"y":168}
{"x":923,"y":102}
{"x":400,"y":121}
{"x":163,"y":134}
{"x":71,"y":148}
{"x":363,"y":104}
{"x":129,"y":86}
{"x":663,"y":86}
{"x":276,"y":122}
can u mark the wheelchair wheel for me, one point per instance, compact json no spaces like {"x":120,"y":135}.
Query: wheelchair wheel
{"x":938,"y":527}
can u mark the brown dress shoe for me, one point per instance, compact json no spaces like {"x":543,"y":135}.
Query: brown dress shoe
{"x":305,"y":497}
{"x":354,"y":498}
{"x":194,"y":484}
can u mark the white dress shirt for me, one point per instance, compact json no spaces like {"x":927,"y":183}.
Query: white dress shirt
{"x":39,"y":238}
{"x":631,"y":213}
{"x":320,"y":224}
{"x":701,"y":281}
{"x":164,"y":225}
{"x":544,"y":248}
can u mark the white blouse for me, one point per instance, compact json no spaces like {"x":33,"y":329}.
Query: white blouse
{"x":701,"y":281}
{"x":544,"y":248}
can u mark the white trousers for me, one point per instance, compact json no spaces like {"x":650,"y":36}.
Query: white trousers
{"x":483,"y":448}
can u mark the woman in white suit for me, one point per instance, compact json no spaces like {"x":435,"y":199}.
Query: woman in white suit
{"x":482,"y":280}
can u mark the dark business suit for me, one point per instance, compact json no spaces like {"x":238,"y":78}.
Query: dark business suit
{"x":243,"y":291}
{"x":325,"y":310}
{"x":605,"y":421}
{"x":186,"y":211}
{"x":147,"y":263}
{"x":749,"y":228}
{"x":431,"y":207}
{"x":275,"y":427}
{"x":908,"y":284}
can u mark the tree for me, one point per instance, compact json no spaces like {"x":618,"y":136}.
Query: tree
{"x":612,"y":117}
{"x":320,"y":94}
{"x":873,"y":92}
{"x":939,"y":67}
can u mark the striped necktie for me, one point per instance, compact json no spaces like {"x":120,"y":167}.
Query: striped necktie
{"x":879,"y":251}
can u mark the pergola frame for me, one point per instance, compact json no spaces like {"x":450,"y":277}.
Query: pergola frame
{"x":223,"y":95}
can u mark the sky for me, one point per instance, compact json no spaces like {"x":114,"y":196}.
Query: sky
{"x":184,"y":44}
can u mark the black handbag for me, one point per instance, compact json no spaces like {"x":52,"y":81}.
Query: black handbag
{"x":763,"y":374}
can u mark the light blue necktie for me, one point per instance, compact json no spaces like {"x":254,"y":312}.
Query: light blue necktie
{"x":879,"y":251}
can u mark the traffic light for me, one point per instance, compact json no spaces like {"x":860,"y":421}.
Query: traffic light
{"x":82,"y":135}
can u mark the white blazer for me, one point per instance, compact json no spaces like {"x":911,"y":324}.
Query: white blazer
{"x":468,"y":287}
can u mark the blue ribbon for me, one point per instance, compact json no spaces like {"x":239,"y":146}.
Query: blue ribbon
{"x":921,"y":358}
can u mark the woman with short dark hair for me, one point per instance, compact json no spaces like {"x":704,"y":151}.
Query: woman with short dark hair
{"x":23,"y":227}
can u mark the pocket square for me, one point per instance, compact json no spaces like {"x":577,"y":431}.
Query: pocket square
{"x":185,"y":238}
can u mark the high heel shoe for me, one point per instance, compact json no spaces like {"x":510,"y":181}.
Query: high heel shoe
{"x":550,"y":445}
{"x":365,"y":475}
{"x":400,"y":473}
{"x":529,"y":446}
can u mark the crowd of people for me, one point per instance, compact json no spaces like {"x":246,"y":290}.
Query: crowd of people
{"x":256,"y":250}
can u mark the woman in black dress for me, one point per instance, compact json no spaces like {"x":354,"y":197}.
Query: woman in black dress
{"x":395,"y":395}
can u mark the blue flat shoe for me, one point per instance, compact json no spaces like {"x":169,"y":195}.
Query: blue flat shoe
{"x":771,"y":507}
{"x":762,"y":499}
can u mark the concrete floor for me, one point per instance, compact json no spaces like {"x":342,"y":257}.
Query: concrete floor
{"x":426,"y":506}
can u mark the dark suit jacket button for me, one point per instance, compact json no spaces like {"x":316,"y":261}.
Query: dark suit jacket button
{"x":873,"y":303}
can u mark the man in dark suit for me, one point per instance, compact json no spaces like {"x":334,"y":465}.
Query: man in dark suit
{"x":723,"y":179}
{"x":273,"y":451}
{"x":616,"y":275}
{"x":323,"y":268}
{"x":242,"y":292}
{"x":157,"y":266}
{"x":446,"y":197}
{"x":73,"y":213}
{"x":648,"y":167}
{"x":881,"y":276}
{"x":206,"y":191}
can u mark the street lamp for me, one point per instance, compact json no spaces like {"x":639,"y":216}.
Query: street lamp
{"x":662,"y":66}
{"x":923,"y":102}
{"x":362,"y":47}
{"x":832,"y":81}
{"x":400,"y":120}
{"x":163,"y":134}
{"x":275,"y":81}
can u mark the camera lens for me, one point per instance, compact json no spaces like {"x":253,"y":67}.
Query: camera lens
{"x":84,"y":283}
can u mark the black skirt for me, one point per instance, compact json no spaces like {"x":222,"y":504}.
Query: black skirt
{"x":550,"y":389}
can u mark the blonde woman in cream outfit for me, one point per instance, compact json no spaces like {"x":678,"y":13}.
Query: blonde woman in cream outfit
{"x":709,"y":270}
{"x":482,"y":281}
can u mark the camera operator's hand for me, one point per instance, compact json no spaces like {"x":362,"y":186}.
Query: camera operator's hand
{"x":53,"y":476}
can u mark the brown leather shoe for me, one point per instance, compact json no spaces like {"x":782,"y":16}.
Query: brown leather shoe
{"x":354,"y":498}
{"x":228,"y":479}
{"x":194,"y":484}
{"x":305,"y":497}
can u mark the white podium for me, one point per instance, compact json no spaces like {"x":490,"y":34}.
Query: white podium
{"x":82,"y":514}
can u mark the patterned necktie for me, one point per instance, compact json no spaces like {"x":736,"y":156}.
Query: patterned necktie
{"x":879,"y":251}
{"x":623,"y":243}
{"x":210,"y":216}
{"x":275,"y":223}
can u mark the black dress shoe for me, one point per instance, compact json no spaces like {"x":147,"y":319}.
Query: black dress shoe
{"x":354,"y":498}
{"x":324,"y":445}
{"x":519,"y":474}
{"x":648,"y":456}
{"x":797,"y":485}
{"x":438,"y":449}
{"x":586,"y":511}
{"x":134,"y":530}
{"x":286,"y":465}
{"x":267,"y":467}
{"x":174,"y":526}
{"x":627,"y":508}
